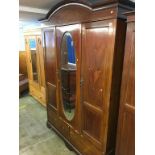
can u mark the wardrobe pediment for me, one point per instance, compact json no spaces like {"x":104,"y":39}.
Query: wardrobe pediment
{"x":74,"y":12}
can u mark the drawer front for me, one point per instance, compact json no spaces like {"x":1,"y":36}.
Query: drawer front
{"x":57,"y":122}
{"x":64,"y":128}
{"x":53,"y":117}
{"x":85,"y":147}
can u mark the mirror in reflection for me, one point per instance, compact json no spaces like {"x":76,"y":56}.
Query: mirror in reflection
{"x":32,"y":44}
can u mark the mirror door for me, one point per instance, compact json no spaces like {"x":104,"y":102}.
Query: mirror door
{"x":68,"y":75}
{"x":34,"y":58}
{"x":69,"y":53}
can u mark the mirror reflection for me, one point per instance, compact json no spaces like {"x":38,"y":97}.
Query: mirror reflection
{"x":68,"y":75}
{"x":32,"y":44}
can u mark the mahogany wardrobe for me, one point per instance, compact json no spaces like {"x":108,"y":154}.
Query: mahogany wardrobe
{"x":84,"y":50}
{"x":126,"y":122}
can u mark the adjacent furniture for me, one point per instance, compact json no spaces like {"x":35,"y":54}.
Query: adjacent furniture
{"x":22,"y":63}
{"x":23,"y":84}
{"x":126,"y":124}
{"x":84,"y":50}
{"x":23,"y":80}
{"x":35,"y":65}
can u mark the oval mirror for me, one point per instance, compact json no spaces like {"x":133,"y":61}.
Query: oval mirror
{"x":68,"y":75}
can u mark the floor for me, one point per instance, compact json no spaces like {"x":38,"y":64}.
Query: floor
{"x":35,"y":137}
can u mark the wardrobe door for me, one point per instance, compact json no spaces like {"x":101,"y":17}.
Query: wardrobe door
{"x":34,"y":59}
{"x":28,"y":58}
{"x":126,"y":125}
{"x":97,"y":57}
{"x":50,"y":66}
{"x":68,"y":58}
{"x":41,"y":61}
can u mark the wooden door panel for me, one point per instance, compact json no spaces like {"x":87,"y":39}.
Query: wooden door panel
{"x":50,"y":56}
{"x":38,"y":65}
{"x":41,"y":61}
{"x":97,"y":58}
{"x":51,"y":95}
{"x":94,"y":65}
{"x":92,"y":122}
{"x":28,"y":58}
{"x":33,"y":61}
{"x":130,"y":85}
{"x":126,"y":123}
{"x":127,"y":142}
{"x":75,"y":32}
{"x":50,"y":67}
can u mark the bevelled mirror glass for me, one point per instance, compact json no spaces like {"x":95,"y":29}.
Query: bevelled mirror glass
{"x":68,"y":75}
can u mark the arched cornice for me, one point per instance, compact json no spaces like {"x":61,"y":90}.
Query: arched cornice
{"x":72,"y":5}
{"x":89,"y":4}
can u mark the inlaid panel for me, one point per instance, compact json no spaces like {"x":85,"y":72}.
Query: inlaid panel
{"x":50,"y":56}
{"x":126,"y":122}
{"x":51,"y":94}
{"x":127,"y":144}
{"x":50,"y":66}
{"x":93,"y":122}
{"x":129,"y":96}
{"x":95,"y":46}
{"x":97,"y":59}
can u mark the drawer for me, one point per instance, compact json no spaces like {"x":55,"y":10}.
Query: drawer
{"x":64,"y":128}
{"x":53,"y":117}
{"x":85,"y":147}
{"x":57,"y":122}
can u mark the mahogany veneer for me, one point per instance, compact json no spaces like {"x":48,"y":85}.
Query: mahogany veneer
{"x":98,"y":35}
{"x":126,"y":124}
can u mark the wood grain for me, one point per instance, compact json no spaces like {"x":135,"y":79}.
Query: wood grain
{"x":22,"y":63}
{"x":99,"y":37}
{"x":126,"y":123}
{"x":37,"y":89}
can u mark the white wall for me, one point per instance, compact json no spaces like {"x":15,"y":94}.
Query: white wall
{"x":25,"y":26}
{"x":21,"y":39}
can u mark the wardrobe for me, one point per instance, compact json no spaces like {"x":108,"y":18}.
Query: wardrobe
{"x":126,"y":123}
{"x":35,"y":65}
{"x":84,"y":51}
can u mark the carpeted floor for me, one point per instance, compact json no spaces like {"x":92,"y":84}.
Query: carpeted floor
{"x":35,"y":137}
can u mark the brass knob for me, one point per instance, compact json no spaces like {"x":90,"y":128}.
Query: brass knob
{"x":111,"y":11}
